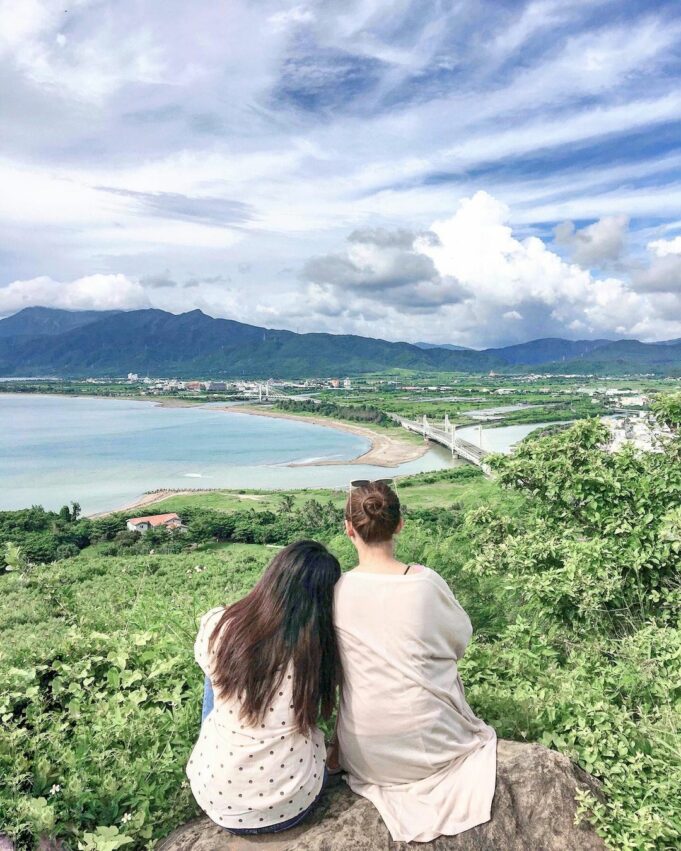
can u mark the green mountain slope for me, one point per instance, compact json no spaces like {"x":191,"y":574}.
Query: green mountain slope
{"x":191,"y":344}
{"x":41,"y":341}
{"x":40,"y":321}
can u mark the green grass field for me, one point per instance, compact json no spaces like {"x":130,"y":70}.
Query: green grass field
{"x":462,"y":485}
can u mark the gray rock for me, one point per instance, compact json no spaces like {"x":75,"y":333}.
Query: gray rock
{"x":533,"y":810}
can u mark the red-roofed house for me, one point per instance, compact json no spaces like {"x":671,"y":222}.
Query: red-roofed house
{"x":143,"y":524}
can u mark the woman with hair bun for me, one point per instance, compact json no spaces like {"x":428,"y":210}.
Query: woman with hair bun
{"x":407,"y":739}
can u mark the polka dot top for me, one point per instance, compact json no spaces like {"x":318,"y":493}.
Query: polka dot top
{"x":243,"y":776}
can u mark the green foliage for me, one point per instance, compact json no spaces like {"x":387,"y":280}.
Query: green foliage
{"x":15,"y":558}
{"x":100,"y":695}
{"x":354,"y":413}
{"x":591,"y":661}
{"x":47,"y":535}
{"x":600,"y":542}
{"x":667,"y":408}
{"x":573,"y":592}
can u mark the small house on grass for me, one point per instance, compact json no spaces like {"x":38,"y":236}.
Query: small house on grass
{"x":155,"y":521}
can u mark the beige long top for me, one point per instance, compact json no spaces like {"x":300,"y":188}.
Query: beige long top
{"x":244,"y":776}
{"x":409,"y":741}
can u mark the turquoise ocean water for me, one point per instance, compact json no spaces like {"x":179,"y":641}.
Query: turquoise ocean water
{"x":104,"y":453}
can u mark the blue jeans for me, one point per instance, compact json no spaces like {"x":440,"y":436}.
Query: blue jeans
{"x":208,"y":703}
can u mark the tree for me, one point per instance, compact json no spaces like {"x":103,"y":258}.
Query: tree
{"x":286,"y":502}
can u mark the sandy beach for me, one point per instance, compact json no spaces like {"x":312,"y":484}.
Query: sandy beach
{"x":385,"y":450}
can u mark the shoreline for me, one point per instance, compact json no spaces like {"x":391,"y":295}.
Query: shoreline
{"x":384,"y":450}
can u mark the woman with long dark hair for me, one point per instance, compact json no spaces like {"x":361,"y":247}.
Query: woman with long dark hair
{"x":408,"y":739}
{"x":272,"y":663}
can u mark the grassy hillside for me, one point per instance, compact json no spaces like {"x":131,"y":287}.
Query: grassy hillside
{"x":568,"y":565}
{"x":464,"y":486}
{"x":100,"y":694}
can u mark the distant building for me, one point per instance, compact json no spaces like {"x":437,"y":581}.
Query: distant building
{"x":154,"y":521}
{"x":194,"y":386}
{"x":335,"y":383}
{"x":132,"y":376}
{"x":347,"y":384}
{"x":635,"y":401}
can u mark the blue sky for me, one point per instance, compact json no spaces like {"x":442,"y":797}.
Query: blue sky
{"x":477,"y":173}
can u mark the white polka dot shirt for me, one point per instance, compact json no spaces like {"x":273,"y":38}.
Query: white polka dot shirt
{"x":243,"y":776}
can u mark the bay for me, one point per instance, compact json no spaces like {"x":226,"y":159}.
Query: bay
{"x":105,"y":453}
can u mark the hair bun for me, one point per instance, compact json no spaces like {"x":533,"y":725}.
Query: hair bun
{"x":374,"y":511}
{"x":373,"y":504}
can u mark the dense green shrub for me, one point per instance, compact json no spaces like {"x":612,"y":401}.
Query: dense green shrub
{"x":591,"y":661}
{"x":354,"y":413}
{"x":45,"y":535}
{"x":575,"y":603}
{"x":100,"y":695}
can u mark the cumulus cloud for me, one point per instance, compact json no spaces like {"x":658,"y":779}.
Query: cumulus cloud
{"x":596,"y":244}
{"x":661,"y":275}
{"x":483,"y":285}
{"x":93,"y":292}
{"x":373,"y":260}
{"x":664,"y":247}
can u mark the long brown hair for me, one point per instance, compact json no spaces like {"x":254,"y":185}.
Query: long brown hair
{"x":287,"y":617}
{"x":374,"y":511}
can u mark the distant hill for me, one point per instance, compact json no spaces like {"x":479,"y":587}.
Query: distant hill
{"x":192,"y":344}
{"x":41,"y":321}
{"x":622,"y":357}
{"x":43,"y":341}
{"x":450,"y":346}
{"x":546,"y":350}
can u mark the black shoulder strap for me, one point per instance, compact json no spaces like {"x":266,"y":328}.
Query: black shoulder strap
{"x":407,"y":570}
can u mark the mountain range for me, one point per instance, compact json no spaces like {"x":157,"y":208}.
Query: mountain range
{"x":49,"y":342}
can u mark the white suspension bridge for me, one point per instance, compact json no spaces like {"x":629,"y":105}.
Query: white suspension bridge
{"x":266,"y":392}
{"x":446,"y":435}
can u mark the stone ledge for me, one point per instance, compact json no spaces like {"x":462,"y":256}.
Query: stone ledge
{"x":533,"y":810}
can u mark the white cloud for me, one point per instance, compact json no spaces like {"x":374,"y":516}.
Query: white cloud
{"x":502,"y":287}
{"x":477,"y":247}
{"x":326,"y":118}
{"x":93,"y":292}
{"x":664,"y":247}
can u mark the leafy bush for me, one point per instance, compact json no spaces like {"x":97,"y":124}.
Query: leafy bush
{"x":45,"y":535}
{"x":590,"y":662}
{"x":354,"y":413}
{"x":575,"y":603}
{"x":100,"y":696}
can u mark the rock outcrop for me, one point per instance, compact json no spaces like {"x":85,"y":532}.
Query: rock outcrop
{"x":533,"y":810}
